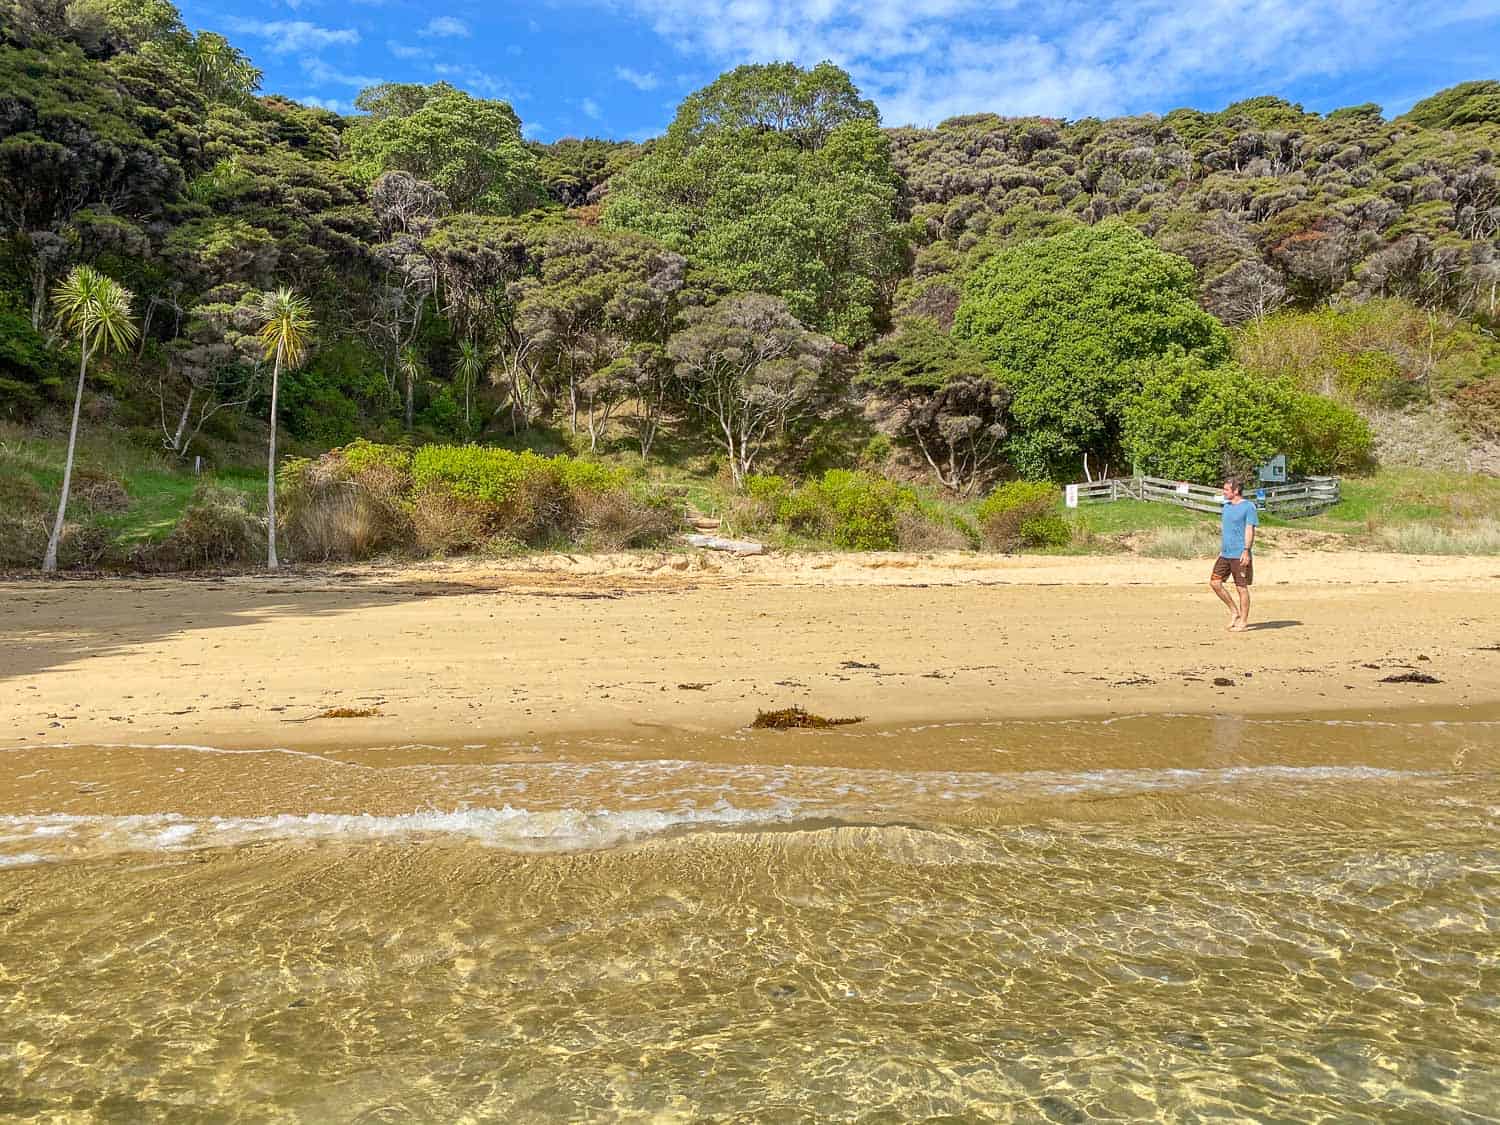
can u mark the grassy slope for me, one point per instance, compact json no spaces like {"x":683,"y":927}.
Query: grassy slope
{"x":158,"y":487}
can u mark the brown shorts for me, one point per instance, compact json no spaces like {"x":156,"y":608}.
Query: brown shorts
{"x":1244,"y":573}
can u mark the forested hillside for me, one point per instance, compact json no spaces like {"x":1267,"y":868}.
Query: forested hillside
{"x":778,"y":285}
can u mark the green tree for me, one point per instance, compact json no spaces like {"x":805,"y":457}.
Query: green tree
{"x":94,"y":310}
{"x":780,"y":194}
{"x":805,"y":106}
{"x":285,"y":335}
{"x":750,"y":372}
{"x":594,"y":296}
{"x":125,"y":24}
{"x":1193,"y":421}
{"x":470,"y":148}
{"x":223,"y":72}
{"x":1068,"y":320}
{"x":948,"y":403}
{"x":473,"y":361}
{"x":1468,"y":103}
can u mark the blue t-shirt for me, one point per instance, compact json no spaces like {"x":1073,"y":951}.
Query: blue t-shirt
{"x":1233,"y":520}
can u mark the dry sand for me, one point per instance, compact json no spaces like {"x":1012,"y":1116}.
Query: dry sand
{"x":468,"y":652}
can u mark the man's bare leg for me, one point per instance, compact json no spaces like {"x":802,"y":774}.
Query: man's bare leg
{"x":1216,"y":584}
{"x":1242,"y":618}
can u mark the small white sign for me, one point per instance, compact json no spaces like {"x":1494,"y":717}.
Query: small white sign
{"x":1070,"y":496}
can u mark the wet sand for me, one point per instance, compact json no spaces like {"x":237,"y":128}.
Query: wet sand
{"x":465,"y":652}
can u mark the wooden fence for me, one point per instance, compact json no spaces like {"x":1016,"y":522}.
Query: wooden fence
{"x":1300,"y":498}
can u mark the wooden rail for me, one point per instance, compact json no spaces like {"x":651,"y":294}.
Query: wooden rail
{"x":1300,"y":498}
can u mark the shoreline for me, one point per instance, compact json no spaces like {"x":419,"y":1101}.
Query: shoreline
{"x":574,"y":646}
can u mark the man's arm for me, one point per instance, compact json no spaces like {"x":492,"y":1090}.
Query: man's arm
{"x":1249,"y":541}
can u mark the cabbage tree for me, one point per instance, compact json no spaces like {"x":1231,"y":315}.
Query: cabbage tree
{"x":285,"y":333}
{"x":94,"y":310}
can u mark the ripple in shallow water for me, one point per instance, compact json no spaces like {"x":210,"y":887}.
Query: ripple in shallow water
{"x":1293,"y":931}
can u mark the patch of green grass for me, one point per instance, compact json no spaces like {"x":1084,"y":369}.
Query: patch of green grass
{"x":1403,"y":496}
{"x":158,"y":487}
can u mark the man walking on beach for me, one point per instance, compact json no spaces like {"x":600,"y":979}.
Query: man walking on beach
{"x":1238,"y":521}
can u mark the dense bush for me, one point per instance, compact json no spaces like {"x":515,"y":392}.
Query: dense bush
{"x":363,"y":498}
{"x":1479,"y":409}
{"x":1068,"y":320}
{"x":855,"y":510}
{"x":1020,"y":514}
{"x":1327,"y":437}
{"x":1195,"y":422}
{"x":217,"y":530}
{"x":30,"y":372}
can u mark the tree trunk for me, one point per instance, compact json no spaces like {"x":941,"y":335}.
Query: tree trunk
{"x":271,"y":563}
{"x":49,"y":562}
{"x":410,"y":389}
{"x":39,"y":300}
{"x":182,"y":422}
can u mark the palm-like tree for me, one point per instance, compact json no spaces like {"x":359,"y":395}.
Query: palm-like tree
{"x":94,"y":309}
{"x":472,"y":361}
{"x":223,"y":72}
{"x":409,"y":363}
{"x":286,"y":329}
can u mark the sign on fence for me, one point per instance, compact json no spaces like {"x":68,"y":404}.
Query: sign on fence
{"x":1070,"y":496}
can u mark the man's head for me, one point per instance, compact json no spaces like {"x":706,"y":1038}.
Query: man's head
{"x":1233,"y":489}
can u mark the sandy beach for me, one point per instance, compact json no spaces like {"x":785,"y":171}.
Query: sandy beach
{"x":460,"y":652}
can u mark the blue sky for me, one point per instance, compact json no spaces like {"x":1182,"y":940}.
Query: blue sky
{"x":618,"y":68}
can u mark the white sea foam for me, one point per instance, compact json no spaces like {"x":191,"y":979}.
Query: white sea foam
{"x":24,"y":859}
{"x":510,"y":828}
{"x":641,"y":799}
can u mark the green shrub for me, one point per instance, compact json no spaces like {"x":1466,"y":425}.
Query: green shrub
{"x":854,"y":510}
{"x":360,"y":454}
{"x":1326,"y":437}
{"x":1373,"y":377}
{"x":1046,"y":530}
{"x":216,"y":530}
{"x":772,"y":489}
{"x":31,"y":373}
{"x":347,"y":504}
{"x":1479,"y":409}
{"x":1189,"y":421}
{"x":1008,"y":513}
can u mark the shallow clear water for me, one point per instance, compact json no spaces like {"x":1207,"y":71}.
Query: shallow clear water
{"x":1185,"y":918}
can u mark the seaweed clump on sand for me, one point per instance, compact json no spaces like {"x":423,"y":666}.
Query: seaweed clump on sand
{"x":347,"y":713}
{"x":796,"y":718}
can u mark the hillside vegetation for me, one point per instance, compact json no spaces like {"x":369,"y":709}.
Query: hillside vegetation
{"x":826,"y":330}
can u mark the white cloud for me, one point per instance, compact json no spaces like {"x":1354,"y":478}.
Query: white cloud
{"x":319,"y":72}
{"x":647,"y":81}
{"x":923,"y":60}
{"x":333,"y":104}
{"x":284,"y":36}
{"x":475,"y":80}
{"x":406,"y":50}
{"x":445,"y":27}
{"x":590,"y":109}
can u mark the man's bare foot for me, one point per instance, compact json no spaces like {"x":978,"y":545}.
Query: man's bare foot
{"x":1234,"y":621}
{"x":1239,"y":626}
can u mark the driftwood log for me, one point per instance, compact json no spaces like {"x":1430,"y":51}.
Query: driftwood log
{"x":733,"y":546}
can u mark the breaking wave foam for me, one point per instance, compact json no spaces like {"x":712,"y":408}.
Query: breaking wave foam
{"x":64,"y":835}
